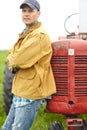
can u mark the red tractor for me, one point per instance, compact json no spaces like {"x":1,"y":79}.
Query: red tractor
{"x":69,"y":64}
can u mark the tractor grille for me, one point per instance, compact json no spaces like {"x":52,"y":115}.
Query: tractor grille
{"x":62,"y":92}
{"x":60,"y":71}
{"x":60,"y":66}
{"x":59,"y":60}
{"x":81,"y":59}
{"x":80,"y":76}
{"x":80,"y":70}
{"x":80,"y":92}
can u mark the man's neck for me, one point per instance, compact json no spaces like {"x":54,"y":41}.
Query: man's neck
{"x":30,"y":25}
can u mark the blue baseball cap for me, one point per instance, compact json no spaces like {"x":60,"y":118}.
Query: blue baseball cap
{"x":33,"y":4}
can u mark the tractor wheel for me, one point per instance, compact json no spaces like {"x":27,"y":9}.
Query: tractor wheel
{"x":7,"y":84}
{"x":79,"y":128}
{"x":84,"y":127}
{"x":56,"y":126}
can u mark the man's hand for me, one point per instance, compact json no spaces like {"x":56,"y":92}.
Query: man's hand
{"x":15,"y":69}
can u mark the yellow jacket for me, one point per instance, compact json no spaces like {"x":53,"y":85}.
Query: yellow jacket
{"x":32,"y":54}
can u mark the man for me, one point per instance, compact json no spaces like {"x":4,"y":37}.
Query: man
{"x":29,"y":59}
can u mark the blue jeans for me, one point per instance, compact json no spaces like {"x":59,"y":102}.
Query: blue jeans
{"x":21,"y":118}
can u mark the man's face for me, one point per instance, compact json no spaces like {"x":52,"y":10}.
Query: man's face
{"x":29,"y":16}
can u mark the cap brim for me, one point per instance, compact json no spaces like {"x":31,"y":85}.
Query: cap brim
{"x":28,"y":4}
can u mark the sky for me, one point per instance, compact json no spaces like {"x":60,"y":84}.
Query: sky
{"x":53,"y":15}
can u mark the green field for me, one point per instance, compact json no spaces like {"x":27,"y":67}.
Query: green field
{"x":2,"y":64}
{"x":43,"y":120}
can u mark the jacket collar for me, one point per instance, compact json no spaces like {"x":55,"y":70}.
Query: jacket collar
{"x":33,"y":27}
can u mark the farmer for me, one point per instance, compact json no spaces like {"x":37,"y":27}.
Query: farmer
{"x":29,"y":59}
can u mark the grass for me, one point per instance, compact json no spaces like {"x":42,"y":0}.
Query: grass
{"x":43,"y":120}
{"x":2,"y":65}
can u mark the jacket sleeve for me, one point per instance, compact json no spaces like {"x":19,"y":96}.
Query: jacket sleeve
{"x":28,"y":54}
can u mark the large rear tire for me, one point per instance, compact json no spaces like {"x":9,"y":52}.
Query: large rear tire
{"x":7,"y":84}
{"x":56,"y":126}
